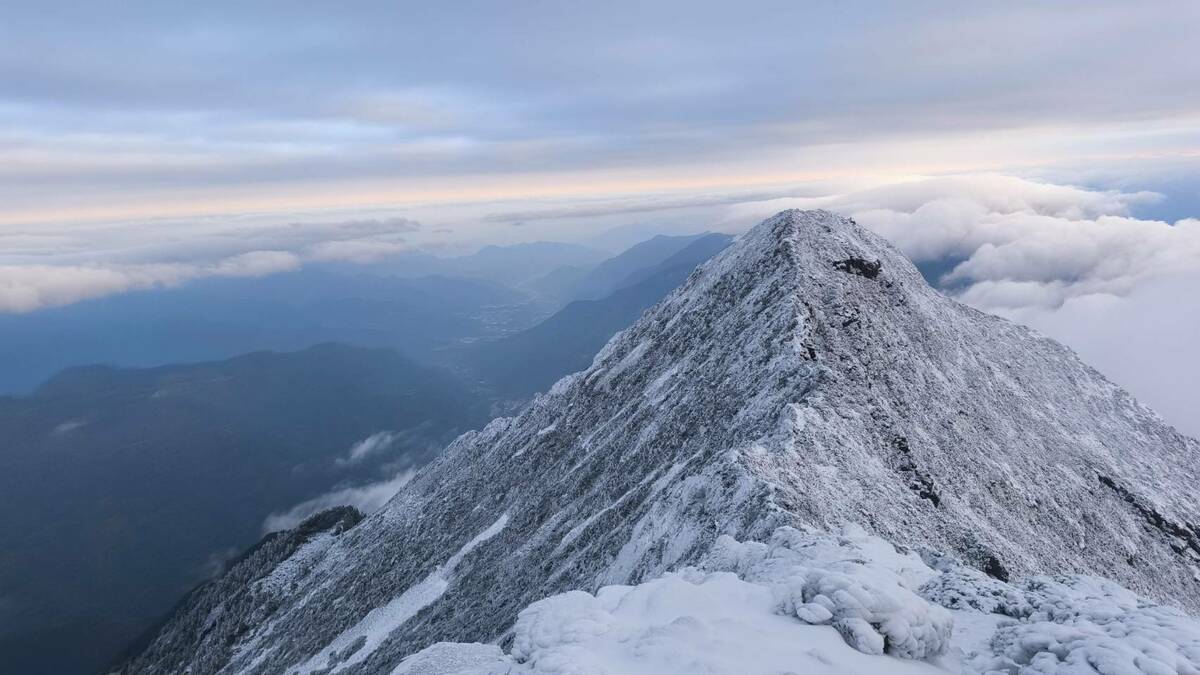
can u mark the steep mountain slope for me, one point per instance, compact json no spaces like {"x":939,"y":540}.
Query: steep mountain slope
{"x":124,"y":487}
{"x":635,"y":263}
{"x":807,"y":376}
{"x":627,"y":268}
{"x":519,"y":365}
{"x":698,"y":250}
{"x":555,"y":285}
{"x":511,"y":264}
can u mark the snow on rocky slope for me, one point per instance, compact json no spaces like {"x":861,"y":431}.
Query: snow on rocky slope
{"x":806,"y":377}
{"x":830,"y":604}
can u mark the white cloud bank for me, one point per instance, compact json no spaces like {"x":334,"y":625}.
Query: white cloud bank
{"x":24,"y":288}
{"x":1019,"y":243}
{"x":1071,"y":262}
{"x":1145,"y":340}
{"x":58,"y":268}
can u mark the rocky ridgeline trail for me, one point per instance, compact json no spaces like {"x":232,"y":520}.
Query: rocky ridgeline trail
{"x":807,"y":377}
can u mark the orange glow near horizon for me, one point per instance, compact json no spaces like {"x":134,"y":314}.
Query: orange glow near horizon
{"x":891,"y":162}
{"x":335,"y":196}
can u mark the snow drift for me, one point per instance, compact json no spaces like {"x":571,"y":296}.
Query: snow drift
{"x":841,"y":604}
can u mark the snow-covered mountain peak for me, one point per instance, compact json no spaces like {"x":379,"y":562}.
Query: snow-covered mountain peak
{"x":805,"y":377}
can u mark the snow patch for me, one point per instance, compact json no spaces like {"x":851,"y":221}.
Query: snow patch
{"x":444,"y":658}
{"x":296,"y":566}
{"x":680,"y":624}
{"x":631,"y":357}
{"x":357,"y":642}
{"x":654,"y":391}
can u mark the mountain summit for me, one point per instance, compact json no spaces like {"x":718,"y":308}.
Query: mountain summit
{"x":806,"y":377}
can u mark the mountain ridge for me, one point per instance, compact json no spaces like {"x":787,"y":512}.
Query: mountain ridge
{"x":807,"y":376}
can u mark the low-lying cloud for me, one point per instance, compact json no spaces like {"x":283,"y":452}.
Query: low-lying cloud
{"x":369,"y":447}
{"x":360,"y":251}
{"x":1145,"y":340}
{"x":366,"y":498}
{"x":67,"y":427}
{"x":82,"y":265}
{"x":24,"y":288}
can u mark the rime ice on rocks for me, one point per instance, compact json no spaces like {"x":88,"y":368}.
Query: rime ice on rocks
{"x":838,"y":604}
{"x":806,"y":377}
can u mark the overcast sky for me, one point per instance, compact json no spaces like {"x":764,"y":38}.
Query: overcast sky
{"x":129,"y":110}
{"x":1049,"y":150}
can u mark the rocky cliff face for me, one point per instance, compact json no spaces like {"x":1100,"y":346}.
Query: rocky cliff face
{"x":808,"y":377}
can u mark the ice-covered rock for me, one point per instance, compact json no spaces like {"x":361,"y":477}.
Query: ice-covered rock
{"x":859,"y":584}
{"x":686,"y":622}
{"x":1080,"y":624}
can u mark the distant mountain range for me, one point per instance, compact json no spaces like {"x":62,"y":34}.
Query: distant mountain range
{"x":513,"y":265}
{"x":623,"y":270}
{"x":220,"y":318}
{"x":518,"y":365}
{"x":415,"y":302}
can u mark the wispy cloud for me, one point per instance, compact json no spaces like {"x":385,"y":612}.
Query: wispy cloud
{"x":67,"y":427}
{"x":369,"y":447}
{"x":366,"y":498}
{"x":24,"y":288}
{"x":59,"y":268}
{"x":641,"y":204}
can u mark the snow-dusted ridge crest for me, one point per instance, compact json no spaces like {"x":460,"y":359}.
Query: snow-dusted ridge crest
{"x":805,"y":377}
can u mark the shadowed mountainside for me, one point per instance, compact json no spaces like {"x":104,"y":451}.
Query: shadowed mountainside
{"x":127,"y":486}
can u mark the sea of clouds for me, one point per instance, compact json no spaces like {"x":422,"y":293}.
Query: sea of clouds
{"x":1074,"y":263}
